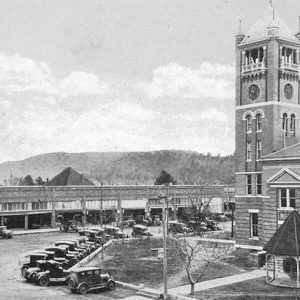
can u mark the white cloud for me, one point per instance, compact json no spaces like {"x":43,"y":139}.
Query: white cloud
{"x":209,"y":81}
{"x":41,"y":113}
{"x":81,"y":83}
{"x":21,"y":74}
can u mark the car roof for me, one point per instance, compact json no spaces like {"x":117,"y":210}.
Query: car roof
{"x":111,"y":227}
{"x":53,"y":262}
{"x":83,"y":269}
{"x":38,"y":254}
{"x":65,"y":242}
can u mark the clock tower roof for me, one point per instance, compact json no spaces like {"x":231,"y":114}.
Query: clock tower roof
{"x":269,"y":19}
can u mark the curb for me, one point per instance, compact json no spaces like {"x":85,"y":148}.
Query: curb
{"x":155,"y":293}
{"x":35,"y":231}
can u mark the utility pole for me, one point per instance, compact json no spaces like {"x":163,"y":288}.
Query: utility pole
{"x":165,"y":263}
{"x":101,"y":205}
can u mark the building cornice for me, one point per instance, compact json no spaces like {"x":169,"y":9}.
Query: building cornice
{"x":260,"y":104}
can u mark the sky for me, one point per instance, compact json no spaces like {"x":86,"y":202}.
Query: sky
{"x":121,"y":75}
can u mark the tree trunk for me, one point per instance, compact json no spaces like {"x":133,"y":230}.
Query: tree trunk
{"x":192,"y":288}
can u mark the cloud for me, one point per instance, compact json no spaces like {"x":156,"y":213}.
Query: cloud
{"x":179,"y":108}
{"x":22,"y":74}
{"x":208,"y":81}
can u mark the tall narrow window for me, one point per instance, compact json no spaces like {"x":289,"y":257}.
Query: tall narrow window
{"x":292,"y":198}
{"x":258,"y":122}
{"x":258,"y":184}
{"x":292,"y":124}
{"x":249,"y":185}
{"x":254,"y":225}
{"x":283,"y":197}
{"x":258,"y":149}
{"x":284,"y":123}
{"x":248,"y":123}
{"x":248,"y":151}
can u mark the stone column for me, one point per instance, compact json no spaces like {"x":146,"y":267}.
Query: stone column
{"x":1,"y":221}
{"x":84,"y":211}
{"x":53,"y":219}
{"x":26,"y":222}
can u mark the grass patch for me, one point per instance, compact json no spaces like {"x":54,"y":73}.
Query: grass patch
{"x":134,"y":262}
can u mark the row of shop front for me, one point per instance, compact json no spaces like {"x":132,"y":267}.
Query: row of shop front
{"x":27,"y":207}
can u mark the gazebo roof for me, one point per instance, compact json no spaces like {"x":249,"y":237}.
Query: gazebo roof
{"x":286,"y":240}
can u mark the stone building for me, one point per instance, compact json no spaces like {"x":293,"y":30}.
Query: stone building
{"x":267,"y":128}
{"x":73,"y":196}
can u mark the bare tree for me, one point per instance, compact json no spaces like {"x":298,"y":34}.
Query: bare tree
{"x":199,"y":255}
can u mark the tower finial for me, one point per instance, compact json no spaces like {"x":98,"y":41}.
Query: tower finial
{"x":273,"y":14}
{"x":271,"y":3}
{"x":240,"y":25}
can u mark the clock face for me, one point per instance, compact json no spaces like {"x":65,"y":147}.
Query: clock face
{"x":288,"y":91}
{"x":253,"y":91}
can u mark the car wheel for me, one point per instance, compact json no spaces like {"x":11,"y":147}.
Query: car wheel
{"x":73,"y":291}
{"x":31,"y":277}
{"x":44,"y":281}
{"x":111,"y":285}
{"x":71,"y":284}
{"x":83,"y":289}
{"x":23,"y":271}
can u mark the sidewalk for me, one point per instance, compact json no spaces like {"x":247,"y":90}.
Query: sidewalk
{"x":204,"y":285}
{"x":33,"y":231}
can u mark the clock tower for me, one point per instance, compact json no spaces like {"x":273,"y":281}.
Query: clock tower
{"x":267,"y":111}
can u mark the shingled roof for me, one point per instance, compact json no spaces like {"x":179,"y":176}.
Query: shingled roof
{"x":269,"y":19}
{"x":69,"y":177}
{"x":286,"y":240}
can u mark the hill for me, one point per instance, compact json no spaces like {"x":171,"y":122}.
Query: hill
{"x":186,"y":167}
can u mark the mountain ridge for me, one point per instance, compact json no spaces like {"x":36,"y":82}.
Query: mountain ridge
{"x":187,"y":167}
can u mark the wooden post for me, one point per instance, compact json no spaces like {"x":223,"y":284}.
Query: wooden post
{"x":297,"y":283}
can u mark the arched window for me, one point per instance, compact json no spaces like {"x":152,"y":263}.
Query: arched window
{"x":258,"y":122}
{"x":292,"y":124}
{"x":285,"y":123}
{"x":248,"y":123}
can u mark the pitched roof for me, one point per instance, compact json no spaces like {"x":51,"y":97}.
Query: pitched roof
{"x":286,"y":240}
{"x":285,"y":175}
{"x":269,"y":19}
{"x":69,"y":177}
{"x":288,"y":152}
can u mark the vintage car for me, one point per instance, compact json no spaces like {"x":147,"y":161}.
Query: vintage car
{"x":68,"y":226}
{"x":54,"y":273}
{"x":127,"y":221}
{"x":61,"y":255}
{"x":5,"y":233}
{"x":156,"y":220}
{"x":72,"y":248}
{"x":114,"y":232}
{"x":140,"y":230}
{"x":32,"y":263}
{"x":87,"y":279}
{"x":31,"y":273}
{"x":101,"y":233}
{"x":176,"y":227}
{"x":92,"y":236}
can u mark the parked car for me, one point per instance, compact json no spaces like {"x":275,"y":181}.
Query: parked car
{"x":101,"y":233}
{"x":5,"y":233}
{"x":127,"y":223}
{"x":31,"y":273}
{"x":220,"y":217}
{"x":33,"y":258}
{"x":176,"y":227}
{"x":114,"y":232}
{"x":156,"y":220}
{"x":92,"y":236}
{"x":69,"y":226}
{"x":140,"y":230}
{"x":197,"y":226}
{"x":62,"y":256}
{"x":72,"y":248}
{"x":54,"y":273}
{"x":86,"y":279}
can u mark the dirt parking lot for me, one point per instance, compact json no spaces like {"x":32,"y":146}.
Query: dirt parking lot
{"x":12,"y":286}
